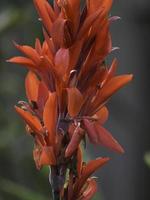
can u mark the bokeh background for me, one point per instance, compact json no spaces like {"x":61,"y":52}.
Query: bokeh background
{"x":126,"y":177}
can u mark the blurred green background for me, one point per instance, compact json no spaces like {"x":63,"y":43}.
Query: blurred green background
{"x":19,"y":178}
{"x":125,"y":177}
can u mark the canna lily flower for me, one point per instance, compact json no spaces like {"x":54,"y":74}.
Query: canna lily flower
{"x":67,"y":87}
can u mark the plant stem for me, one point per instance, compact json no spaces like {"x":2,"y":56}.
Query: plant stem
{"x":57,"y":179}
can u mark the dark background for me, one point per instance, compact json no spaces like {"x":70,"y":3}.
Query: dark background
{"x":126,"y":177}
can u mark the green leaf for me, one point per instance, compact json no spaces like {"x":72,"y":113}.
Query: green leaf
{"x":19,"y":191}
{"x":147,"y":158}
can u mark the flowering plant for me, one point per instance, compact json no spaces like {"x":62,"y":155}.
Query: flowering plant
{"x":67,"y":87}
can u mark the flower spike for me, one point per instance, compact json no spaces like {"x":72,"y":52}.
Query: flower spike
{"x":68,"y":86}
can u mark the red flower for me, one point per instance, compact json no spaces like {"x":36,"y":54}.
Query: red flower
{"x":68,"y":86}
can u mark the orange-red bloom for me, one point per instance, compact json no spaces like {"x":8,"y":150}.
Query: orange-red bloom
{"x":67,"y":87}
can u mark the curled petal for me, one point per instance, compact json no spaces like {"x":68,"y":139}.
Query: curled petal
{"x":31,"y":120}
{"x":32,"y":86}
{"x":75,"y":101}
{"x":50,"y":117}
{"x":114,"y":18}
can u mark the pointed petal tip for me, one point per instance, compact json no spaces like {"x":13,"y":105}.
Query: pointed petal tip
{"x":10,"y":60}
{"x":129,"y":77}
{"x":105,"y":159}
{"x":121,"y":151}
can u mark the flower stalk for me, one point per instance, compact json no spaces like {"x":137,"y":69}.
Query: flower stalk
{"x":68,"y":86}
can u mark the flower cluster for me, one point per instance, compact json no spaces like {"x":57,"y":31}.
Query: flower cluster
{"x":68,"y":86}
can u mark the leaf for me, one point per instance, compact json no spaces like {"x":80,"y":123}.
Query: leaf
{"x":75,"y":101}
{"x":32,"y":86}
{"x":147,"y":159}
{"x":19,"y":191}
{"x":50,"y":117}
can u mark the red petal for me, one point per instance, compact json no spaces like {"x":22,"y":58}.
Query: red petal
{"x":110,"y":88}
{"x":88,"y":170}
{"x":106,"y":139}
{"x":61,"y":33}
{"x":94,"y":5}
{"x":102,"y":115}
{"x":42,"y":96}
{"x":74,"y":142}
{"x":38,"y":46}
{"x":43,"y":13}
{"x":62,"y":61}
{"x":31,"y":120}
{"x":79,"y":161}
{"x":111,"y":72}
{"x":88,"y":23}
{"x":29,"y":52}
{"x":103,"y":44}
{"x":75,"y":101}
{"x":47,"y":157}
{"x":90,"y":190}
{"x":89,"y":127}
{"x":50,"y":117}
{"x":23,"y":61}
{"x":50,"y":11}
{"x":32,"y":86}
{"x":74,"y":12}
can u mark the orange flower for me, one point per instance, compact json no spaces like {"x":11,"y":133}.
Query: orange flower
{"x":67,"y":87}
